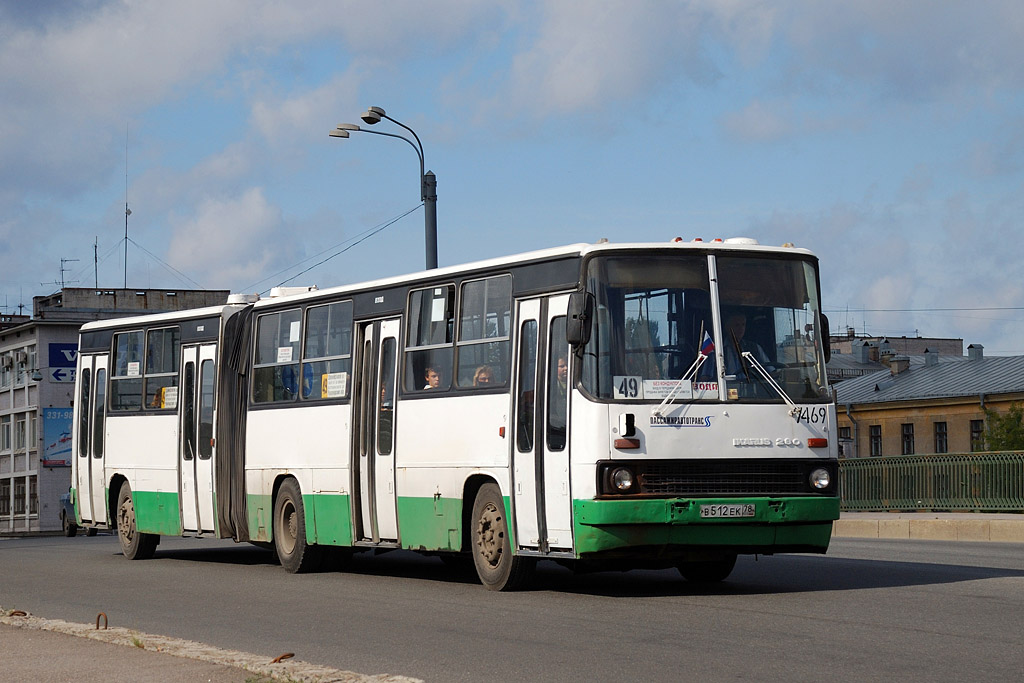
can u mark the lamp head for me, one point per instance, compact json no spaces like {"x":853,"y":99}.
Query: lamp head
{"x":347,"y":126}
{"x":338,"y":133}
{"x":373,"y":115}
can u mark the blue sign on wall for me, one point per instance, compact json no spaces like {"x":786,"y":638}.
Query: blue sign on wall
{"x":63,"y":355}
{"x":57,"y":437}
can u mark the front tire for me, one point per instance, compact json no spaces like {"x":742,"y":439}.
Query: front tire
{"x":295,"y":554}
{"x":708,"y":571}
{"x":497,"y":567}
{"x":70,"y":528}
{"x":135,"y":545}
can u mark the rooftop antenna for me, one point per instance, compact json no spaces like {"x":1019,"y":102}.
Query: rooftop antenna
{"x":96,"y":262}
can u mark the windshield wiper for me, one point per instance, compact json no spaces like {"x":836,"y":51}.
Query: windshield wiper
{"x":771,"y":381}
{"x":691,"y":372}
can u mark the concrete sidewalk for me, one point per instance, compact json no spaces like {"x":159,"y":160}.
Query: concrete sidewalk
{"x":50,"y":650}
{"x":931,"y":526}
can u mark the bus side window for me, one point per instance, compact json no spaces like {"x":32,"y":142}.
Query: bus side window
{"x":525,"y":402}
{"x":558,"y":385}
{"x":429,"y":340}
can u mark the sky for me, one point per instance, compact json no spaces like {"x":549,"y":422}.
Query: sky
{"x":887,"y":137}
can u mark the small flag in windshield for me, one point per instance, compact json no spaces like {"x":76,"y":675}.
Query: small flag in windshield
{"x":707,"y":347}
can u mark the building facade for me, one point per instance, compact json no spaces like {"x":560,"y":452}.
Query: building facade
{"x":933,"y":407}
{"x":37,"y":375}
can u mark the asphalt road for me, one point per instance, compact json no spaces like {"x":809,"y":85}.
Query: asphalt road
{"x":871,"y":610}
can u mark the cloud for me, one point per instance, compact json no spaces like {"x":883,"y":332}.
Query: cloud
{"x":759,"y":122}
{"x":229,"y":240}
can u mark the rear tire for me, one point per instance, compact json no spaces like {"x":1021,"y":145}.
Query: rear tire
{"x":295,"y":554}
{"x":497,"y":567}
{"x":708,"y":571}
{"x":70,"y":528}
{"x":134,"y":544}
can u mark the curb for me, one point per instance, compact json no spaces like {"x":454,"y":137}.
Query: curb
{"x":937,"y":527}
{"x":285,"y":670}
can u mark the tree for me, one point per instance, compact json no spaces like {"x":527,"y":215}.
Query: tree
{"x":1005,"y":432}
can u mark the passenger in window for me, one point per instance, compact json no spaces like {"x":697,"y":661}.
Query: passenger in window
{"x":483,"y":377}
{"x":433,"y":378}
{"x":563,"y":374}
{"x":557,"y":397}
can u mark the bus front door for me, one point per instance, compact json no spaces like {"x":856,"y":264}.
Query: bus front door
{"x":90,"y":476}
{"x":543,"y":504}
{"x":196,"y":443}
{"x":374,"y":461}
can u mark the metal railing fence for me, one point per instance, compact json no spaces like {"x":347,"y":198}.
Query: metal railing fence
{"x":949,"y":481}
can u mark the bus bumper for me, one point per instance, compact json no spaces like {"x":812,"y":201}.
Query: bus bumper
{"x":673,"y":527}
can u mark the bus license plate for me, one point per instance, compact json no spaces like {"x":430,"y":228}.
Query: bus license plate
{"x":744,"y":510}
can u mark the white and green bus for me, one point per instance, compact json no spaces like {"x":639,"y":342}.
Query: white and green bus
{"x":630,"y":405}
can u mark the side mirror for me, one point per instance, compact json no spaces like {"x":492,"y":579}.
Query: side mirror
{"x":826,"y":340}
{"x":578,"y":321}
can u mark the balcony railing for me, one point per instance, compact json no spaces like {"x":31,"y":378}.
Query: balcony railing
{"x":983,"y":482}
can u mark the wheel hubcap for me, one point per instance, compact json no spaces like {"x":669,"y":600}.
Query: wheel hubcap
{"x":490,"y":534}
{"x":126,"y":521}
{"x":289,"y":527}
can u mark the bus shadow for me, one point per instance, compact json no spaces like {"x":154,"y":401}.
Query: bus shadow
{"x":760,"y":576}
{"x":767,"y":576}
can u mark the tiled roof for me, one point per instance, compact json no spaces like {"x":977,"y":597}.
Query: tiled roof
{"x":949,"y":378}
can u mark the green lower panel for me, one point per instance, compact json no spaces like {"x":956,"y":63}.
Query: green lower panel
{"x":259,"y":510}
{"x":328,"y":519}
{"x":157,"y":512}
{"x":430,"y":523}
{"x":782,"y":524}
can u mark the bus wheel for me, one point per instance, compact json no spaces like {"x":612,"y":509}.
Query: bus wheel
{"x":290,"y":531}
{"x":708,"y":571}
{"x":134,"y":544}
{"x":70,"y":528}
{"x":497,"y":567}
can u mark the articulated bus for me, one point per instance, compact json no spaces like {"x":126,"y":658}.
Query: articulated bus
{"x":611,"y":406}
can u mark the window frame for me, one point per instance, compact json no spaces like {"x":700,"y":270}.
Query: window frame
{"x":294,"y":360}
{"x":412,"y":373}
{"x":345,"y":356}
{"x":464,"y":343}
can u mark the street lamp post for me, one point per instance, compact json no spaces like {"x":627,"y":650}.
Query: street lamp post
{"x":428,"y":181}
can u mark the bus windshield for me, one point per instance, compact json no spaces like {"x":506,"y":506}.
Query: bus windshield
{"x":654,"y":318}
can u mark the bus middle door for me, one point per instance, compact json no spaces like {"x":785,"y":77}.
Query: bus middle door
{"x":374,"y":425}
{"x":196,"y":436}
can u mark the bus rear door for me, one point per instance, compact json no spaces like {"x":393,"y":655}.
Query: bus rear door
{"x":90,"y":411}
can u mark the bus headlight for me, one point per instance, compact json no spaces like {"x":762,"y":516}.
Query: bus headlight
{"x":622,"y":479}
{"x":820,"y":478}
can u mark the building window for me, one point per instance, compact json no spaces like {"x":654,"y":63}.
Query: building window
{"x":5,"y":497}
{"x":19,"y":434}
{"x":977,"y":435}
{"x":875,"y":435}
{"x":6,"y":369}
{"x":19,"y":495}
{"x":845,"y":442}
{"x":5,"y":433}
{"x":33,"y":495}
{"x":907,"y":439}
{"x":941,"y":441}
